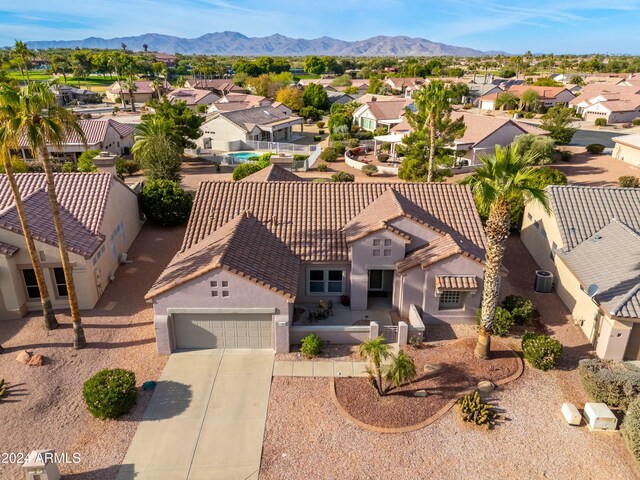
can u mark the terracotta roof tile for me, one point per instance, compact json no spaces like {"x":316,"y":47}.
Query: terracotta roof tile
{"x":243,"y":246}
{"x":273,"y":173}
{"x":95,"y":132}
{"x":457,"y":282}
{"x":8,"y":250}
{"x":388,"y":110}
{"x":433,"y":252}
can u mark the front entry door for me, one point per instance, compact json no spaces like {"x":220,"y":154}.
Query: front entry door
{"x":376,"y":278}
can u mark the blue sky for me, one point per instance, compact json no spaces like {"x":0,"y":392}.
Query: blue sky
{"x":558,"y":26}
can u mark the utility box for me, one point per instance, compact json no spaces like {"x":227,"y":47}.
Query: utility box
{"x":600,"y":418}
{"x":40,"y":465}
{"x":571,"y":414}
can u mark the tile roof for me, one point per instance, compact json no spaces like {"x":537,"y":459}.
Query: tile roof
{"x":273,"y":173}
{"x":457,"y":282}
{"x":388,"y":110}
{"x":400,"y":82}
{"x":543,"y":92}
{"x":219,"y":84}
{"x":309,"y":217}
{"x":243,"y":246}
{"x":8,"y":250}
{"x":191,"y":96}
{"x":82,"y":198}
{"x":610,"y":259}
{"x":582,"y":211}
{"x":433,"y":252}
{"x":95,"y":132}
{"x":142,"y":86}
{"x":248,"y":118}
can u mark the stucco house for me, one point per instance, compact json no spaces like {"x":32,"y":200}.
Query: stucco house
{"x":548,"y":96}
{"x":143,"y":92}
{"x":589,"y":240}
{"x":219,"y":86}
{"x":256,"y":250}
{"x":227,"y":130}
{"x":407,"y":86}
{"x":374,"y":114}
{"x":192,"y":97}
{"x":238,"y":101}
{"x":101,"y":219}
{"x":100,"y":134}
{"x":627,"y":149}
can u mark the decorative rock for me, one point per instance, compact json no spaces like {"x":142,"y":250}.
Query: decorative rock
{"x":485,"y":386}
{"x":36,"y":360}
{"x":432,"y":367}
{"x":23,"y":357}
{"x":420,"y":393}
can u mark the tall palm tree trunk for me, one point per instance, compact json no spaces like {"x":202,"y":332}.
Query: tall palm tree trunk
{"x":79,"y":340}
{"x":132,"y":100}
{"x":497,"y":234}
{"x":432,"y":145}
{"x":50,"y":321}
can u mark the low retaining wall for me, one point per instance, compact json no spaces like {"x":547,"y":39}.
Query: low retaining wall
{"x":381,"y":169}
{"x":416,"y":325}
{"x":331,"y":333}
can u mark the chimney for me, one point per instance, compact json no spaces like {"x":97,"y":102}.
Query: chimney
{"x":106,"y":162}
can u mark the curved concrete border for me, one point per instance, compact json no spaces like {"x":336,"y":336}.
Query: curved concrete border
{"x":432,"y":418}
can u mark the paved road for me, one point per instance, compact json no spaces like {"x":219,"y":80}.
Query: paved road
{"x":206,"y":419}
{"x":582,"y":138}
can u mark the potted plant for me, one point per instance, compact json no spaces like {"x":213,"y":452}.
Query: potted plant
{"x":345,"y":300}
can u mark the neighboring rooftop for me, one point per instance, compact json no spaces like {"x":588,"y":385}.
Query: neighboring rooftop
{"x":94,"y":130}
{"x":248,"y":118}
{"x":273,"y":173}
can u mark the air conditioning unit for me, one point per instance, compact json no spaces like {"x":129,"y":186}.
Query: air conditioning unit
{"x":543,"y":282}
{"x":123,"y":258}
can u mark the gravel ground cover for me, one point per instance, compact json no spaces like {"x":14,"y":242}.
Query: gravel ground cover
{"x":46,"y":409}
{"x":330,"y":353}
{"x":460,"y":371}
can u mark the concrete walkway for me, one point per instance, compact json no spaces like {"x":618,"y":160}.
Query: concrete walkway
{"x":309,"y":368}
{"x":206,"y":419}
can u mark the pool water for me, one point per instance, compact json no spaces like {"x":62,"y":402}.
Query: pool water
{"x":242,"y":157}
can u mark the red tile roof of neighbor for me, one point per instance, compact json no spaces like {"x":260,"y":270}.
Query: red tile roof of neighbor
{"x":310,"y":222}
{"x":189,"y":95}
{"x":273,"y":173}
{"x":390,"y":109}
{"x":457,"y":282}
{"x":142,"y":86}
{"x":95,"y":132}
{"x":82,"y":198}
{"x":543,"y":92}
{"x":479,"y":127}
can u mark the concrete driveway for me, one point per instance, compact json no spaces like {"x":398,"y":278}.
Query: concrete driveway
{"x":206,"y":419}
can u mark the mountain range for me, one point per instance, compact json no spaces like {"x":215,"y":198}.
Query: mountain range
{"x":234,"y":43}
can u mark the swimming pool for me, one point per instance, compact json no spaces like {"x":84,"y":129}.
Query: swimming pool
{"x":242,"y":157}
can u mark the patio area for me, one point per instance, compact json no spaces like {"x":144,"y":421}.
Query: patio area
{"x":379,"y":311}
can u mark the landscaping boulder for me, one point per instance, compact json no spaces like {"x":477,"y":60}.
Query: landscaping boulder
{"x":432,"y":368}
{"x":420,"y":393}
{"x":23,"y":357}
{"x":485,"y":386}
{"x":36,"y":360}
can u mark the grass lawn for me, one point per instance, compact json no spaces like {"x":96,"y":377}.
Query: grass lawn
{"x":97,"y":84}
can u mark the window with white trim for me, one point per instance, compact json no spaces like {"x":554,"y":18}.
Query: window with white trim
{"x":325,"y":281}
{"x":61,"y":284}
{"x":451,"y":300}
{"x":31,"y":283}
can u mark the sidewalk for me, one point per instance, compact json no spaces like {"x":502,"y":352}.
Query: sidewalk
{"x":309,"y":368}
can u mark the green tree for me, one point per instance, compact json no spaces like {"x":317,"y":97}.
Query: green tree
{"x":85,"y":161}
{"x":540,"y":147}
{"x":402,"y":369}
{"x":506,"y":101}
{"x":158,"y":148}
{"x":503,"y":176}
{"x":23,"y":56}
{"x":529,"y":100}
{"x":164,"y":202}
{"x":375,"y":351}
{"x":315,"y":96}
{"x":342,"y":81}
{"x":34,"y":113}
{"x":60,"y":65}
{"x":291,"y":97}
{"x":375,"y":85}
{"x":557,"y":121}
{"x":314,"y":65}
{"x":184,"y":121}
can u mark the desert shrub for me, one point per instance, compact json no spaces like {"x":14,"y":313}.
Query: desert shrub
{"x":600,"y":122}
{"x":502,"y":321}
{"x":35,"y":167}
{"x":520,"y":308}
{"x":467,"y":106}
{"x":383,"y":157}
{"x":630,"y":429}
{"x":165,"y":202}
{"x":369,"y":170}
{"x":321,"y":132}
{"x":329,"y":154}
{"x":472,"y":410}
{"x":614,"y":383}
{"x":87,"y":116}
{"x":311,"y":112}
{"x":385,"y":146}
{"x":201,"y":108}
{"x":340,"y":147}
{"x":299,"y":157}
{"x":323,"y":167}
{"x":363,"y":135}
{"x":320,"y":124}
{"x":18,"y":165}
{"x":629,"y":181}
{"x":317,"y":138}
{"x":85,"y":161}
{"x":342,"y":177}
{"x":529,"y":115}
{"x":110,"y":393}
{"x":311,"y":345}
{"x":69,"y":167}
{"x":320,"y":180}
{"x":565,"y":155}
{"x":381,"y":131}
{"x":595,"y":148}
{"x":353,"y":143}
{"x":542,"y":147}
{"x":635,"y":122}
{"x":541,"y":350}
{"x":245,"y":169}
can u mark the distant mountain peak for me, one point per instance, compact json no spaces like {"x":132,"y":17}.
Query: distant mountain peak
{"x":235,"y":43}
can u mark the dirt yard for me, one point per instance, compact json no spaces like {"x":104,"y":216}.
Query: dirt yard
{"x":45,"y":408}
{"x":306,"y":437}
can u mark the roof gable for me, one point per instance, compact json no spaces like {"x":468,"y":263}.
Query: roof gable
{"x":272,"y":173}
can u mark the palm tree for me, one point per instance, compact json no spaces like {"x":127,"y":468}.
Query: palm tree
{"x":145,"y":47}
{"x":158,"y":85}
{"x":158,"y":147}
{"x":401,"y":370}
{"x":501,"y":178}
{"x":50,"y":321}
{"x":375,"y":351}
{"x":116,"y":60}
{"x":21,"y":51}
{"x":131,"y":86}
{"x":43,"y":122}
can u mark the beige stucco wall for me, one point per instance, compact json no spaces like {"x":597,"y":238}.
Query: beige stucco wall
{"x":303,"y":297}
{"x":627,"y":154}
{"x":221,"y":132}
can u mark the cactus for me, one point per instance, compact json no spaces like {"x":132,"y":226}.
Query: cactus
{"x":3,"y":389}
{"x":474,"y":411}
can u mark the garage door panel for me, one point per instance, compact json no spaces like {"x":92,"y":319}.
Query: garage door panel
{"x":198,"y":331}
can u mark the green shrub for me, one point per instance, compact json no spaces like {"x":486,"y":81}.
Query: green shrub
{"x":353,"y":143}
{"x":311,"y":112}
{"x":380,"y":131}
{"x":342,"y":177}
{"x":502,"y":321}
{"x":85,"y":161}
{"x":520,"y":308}
{"x":629,"y":181}
{"x":541,"y":350}
{"x":165,"y":202}
{"x":320,"y":124}
{"x":320,"y":180}
{"x":321,"y":132}
{"x":565,"y":155}
{"x":110,"y":393}
{"x":369,"y":170}
{"x":201,"y":108}
{"x":529,"y":115}
{"x":69,"y":167}
{"x":245,"y":169}
{"x":635,"y":122}
{"x":299,"y":157}
{"x":323,"y":167}
{"x":317,"y":138}
{"x":472,"y":410}
{"x":340,"y":147}
{"x":338,"y":137}
{"x":383,"y":157}
{"x":329,"y":154}
{"x":600,"y":122}
{"x":87,"y":116}
{"x":630,"y":429}
{"x":363,"y":135}
{"x":311,"y":345}
{"x":542,"y":147}
{"x":614,"y":383}
{"x":595,"y":148}
{"x":385,"y":146}
{"x":467,"y":106}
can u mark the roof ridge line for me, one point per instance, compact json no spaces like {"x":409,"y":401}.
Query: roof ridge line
{"x":630,"y":294}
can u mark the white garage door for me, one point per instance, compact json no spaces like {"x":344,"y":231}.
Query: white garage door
{"x":206,"y":330}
